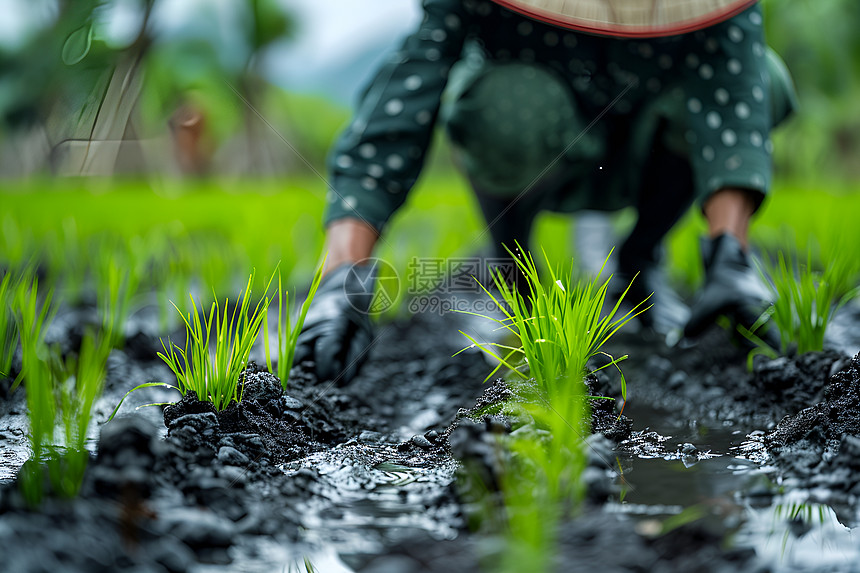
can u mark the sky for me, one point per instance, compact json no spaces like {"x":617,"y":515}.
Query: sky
{"x":331,"y":31}
{"x":330,"y":34}
{"x":338,"y":44}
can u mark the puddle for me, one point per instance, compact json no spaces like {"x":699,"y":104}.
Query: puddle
{"x":362,"y":501}
{"x":724,"y":485}
{"x":795,"y":535}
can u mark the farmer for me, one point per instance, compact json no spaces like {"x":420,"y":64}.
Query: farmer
{"x":541,"y":116}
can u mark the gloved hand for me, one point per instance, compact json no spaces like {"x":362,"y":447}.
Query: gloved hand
{"x":732,"y":288}
{"x":337,"y":330}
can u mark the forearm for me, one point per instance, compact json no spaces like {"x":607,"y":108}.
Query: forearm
{"x":378,"y":158}
{"x":730,"y":211}
{"x":348,"y":240}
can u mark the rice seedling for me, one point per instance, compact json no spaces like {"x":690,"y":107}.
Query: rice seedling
{"x":8,"y":332}
{"x":81,"y":384}
{"x":559,"y":326}
{"x":117,"y":274}
{"x":65,"y":256}
{"x":804,"y":302}
{"x":213,"y":373}
{"x":31,"y":316}
{"x":288,"y":331}
{"x":63,"y":391}
{"x":41,"y":412}
{"x":543,"y":484}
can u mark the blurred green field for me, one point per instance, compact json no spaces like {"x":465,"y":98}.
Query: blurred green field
{"x":204,"y":235}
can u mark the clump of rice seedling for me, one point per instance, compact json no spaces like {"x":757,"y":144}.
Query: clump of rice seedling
{"x":542,"y":481}
{"x":804,"y":302}
{"x":41,"y":412}
{"x":288,"y":331}
{"x":559,"y":325}
{"x":213,"y":373}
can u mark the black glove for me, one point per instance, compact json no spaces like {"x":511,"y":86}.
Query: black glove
{"x":337,"y":330}
{"x":732,"y":288}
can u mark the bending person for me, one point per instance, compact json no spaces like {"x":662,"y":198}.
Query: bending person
{"x":542,"y":117}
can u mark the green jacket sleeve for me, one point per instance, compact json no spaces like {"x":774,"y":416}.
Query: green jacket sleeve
{"x":379,"y":156}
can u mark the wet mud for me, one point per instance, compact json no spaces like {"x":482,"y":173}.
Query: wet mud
{"x":710,"y":467}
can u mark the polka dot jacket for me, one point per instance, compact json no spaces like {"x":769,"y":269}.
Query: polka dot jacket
{"x":716,"y":78}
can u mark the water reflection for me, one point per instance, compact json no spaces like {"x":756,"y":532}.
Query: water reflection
{"x":793,"y":534}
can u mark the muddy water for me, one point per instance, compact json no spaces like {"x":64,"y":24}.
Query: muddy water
{"x":717,"y":476}
{"x":365,"y":502}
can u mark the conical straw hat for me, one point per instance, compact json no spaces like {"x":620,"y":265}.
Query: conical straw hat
{"x":629,"y":18}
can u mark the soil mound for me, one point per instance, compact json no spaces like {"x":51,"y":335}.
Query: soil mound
{"x":266,"y":424}
{"x":829,"y":420}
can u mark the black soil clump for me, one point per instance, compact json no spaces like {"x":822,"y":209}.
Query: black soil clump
{"x":491,"y":405}
{"x":829,"y":420}
{"x":267,"y":423}
{"x":710,"y":381}
{"x":819,"y":447}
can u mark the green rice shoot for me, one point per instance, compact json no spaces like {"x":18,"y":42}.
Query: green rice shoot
{"x":288,"y":331}
{"x":213,"y":373}
{"x":8,"y":331}
{"x":213,"y":376}
{"x":31,"y":315}
{"x":65,"y":392}
{"x":60,"y":393}
{"x":558,"y":324}
{"x":80,"y":385}
{"x":118,"y":276}
{"x":805,"y":301}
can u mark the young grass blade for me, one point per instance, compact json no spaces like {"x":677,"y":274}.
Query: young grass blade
{"x":213,"y":373}
{"x":81,"y":380}
{"x":8,"y":331}
{"x":560,"y":328}
{"x":289,"y":331}
{"x":804,"y":302}
{"x":38,"y":377}
{"x":29,"y":317}
{"x":138,"y":387}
